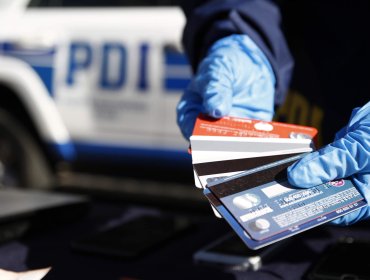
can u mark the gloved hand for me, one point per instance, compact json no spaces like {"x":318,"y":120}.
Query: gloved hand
{"x":347,"y":156}
{"x":234,"y":79}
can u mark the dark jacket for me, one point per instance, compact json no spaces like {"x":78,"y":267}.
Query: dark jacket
{"x":319,"y":51}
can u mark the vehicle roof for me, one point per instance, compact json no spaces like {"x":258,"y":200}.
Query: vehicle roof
{"x":13,"y":4}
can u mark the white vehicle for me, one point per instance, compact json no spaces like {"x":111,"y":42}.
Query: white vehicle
{"x":92,"y":85}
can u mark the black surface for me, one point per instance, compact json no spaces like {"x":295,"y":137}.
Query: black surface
{"x":135,"y":237}
{"x":51,"y":246}
{"x":345,"y":259}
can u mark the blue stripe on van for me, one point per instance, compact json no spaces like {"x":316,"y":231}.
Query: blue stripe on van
{"x":174,"y":81}
{"x":125,"y":153}
{"x":41,"y":60}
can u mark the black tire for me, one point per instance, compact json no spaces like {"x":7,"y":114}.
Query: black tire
{"x":22,"y":164}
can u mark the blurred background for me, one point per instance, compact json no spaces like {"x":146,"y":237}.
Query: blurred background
{"x":88,"y":94}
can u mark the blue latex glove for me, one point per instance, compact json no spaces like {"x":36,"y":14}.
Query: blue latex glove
{"x":234,"y":79}
{"x":347,"y":156}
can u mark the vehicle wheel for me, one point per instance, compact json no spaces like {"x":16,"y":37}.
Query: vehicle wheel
{"x":22,"y":163}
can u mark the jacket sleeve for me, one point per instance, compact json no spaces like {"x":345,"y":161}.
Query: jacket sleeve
{"x":208,"y":21}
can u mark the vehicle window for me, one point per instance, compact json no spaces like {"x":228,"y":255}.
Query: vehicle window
{"x":101,"y":3}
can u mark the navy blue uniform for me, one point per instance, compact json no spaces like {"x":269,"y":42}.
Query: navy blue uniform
{"x":319,"y":51}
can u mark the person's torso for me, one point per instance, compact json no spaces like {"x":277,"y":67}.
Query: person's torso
{"x":330,"y":44}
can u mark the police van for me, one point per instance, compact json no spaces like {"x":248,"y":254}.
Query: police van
{"x":91,"y":84}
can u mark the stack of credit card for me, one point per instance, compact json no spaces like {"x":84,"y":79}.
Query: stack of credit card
{"x":224,"y":146}
{"x":247,"y":185}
